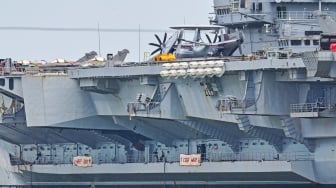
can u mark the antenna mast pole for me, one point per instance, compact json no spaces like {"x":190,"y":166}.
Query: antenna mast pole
{"x":99,"y":40}
{"x":139,"y":43}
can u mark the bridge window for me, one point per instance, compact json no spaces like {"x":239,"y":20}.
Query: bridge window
{"x":296,"y":42}
{"x":223,"y":11}
{"x":316,"y":42}
{"x":11,"y":83}
{"x":307,"y":42}
{"x":260,"y":6}
{"x":235,"y":4}
{"x":281,"y":12}
{"x":283,"y":43}
{"x":2,"y":82}
{"x":243,"y":4}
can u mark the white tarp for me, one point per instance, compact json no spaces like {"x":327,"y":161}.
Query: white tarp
{"x":190,"y":160}
{"x":82,"y":161}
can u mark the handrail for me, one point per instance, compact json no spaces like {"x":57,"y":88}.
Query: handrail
{"x":205,"y":157}
{"x":230,"y":104}
{"x":300,"y":15}
{"x":307,"y":107}
{"x":137,"y":107}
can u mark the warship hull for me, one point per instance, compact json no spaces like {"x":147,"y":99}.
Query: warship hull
{"x":266,"y":119}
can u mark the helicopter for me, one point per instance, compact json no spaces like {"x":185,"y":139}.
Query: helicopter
{"x":221,"y":45}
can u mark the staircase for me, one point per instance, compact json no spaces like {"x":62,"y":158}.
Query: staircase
{"x":292,"y":130}
{"x":250,"y":90}
{"x":273,"y":137}
{"x":214,"y":132}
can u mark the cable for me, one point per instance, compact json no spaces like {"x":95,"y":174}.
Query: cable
{"x":83,"y":29}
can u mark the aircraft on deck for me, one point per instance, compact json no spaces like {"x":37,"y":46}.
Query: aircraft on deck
{"x":221,"y":45}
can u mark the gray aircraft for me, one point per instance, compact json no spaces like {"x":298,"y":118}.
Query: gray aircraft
{"x":222,"y":44}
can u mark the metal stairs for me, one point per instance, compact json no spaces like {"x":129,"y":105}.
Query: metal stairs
{"x":272,"y":136}
{"x":250,"y":90}
{"x":214,"y":132}
{"x":292,"y":130}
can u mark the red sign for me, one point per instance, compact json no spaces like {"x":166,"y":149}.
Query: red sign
{"x":82,"y":161}
{"x":190,"y":160}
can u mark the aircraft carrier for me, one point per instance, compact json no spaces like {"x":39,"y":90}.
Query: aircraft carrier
{"x":261,"y":116}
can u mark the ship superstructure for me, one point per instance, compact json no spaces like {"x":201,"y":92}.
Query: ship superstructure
{"x":265,"y":118}
{"x":274,"y":23}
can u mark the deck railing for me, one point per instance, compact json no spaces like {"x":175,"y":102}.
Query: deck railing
{"x":134,"y":108}
{"x":175,"y":158}
{"x":226,"y":105}
{"x":307,"y":107}
{"x":301,"y":15}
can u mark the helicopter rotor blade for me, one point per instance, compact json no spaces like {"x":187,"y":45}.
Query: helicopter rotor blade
{"x":158,"y":49}
{"x":154,"y":44}
{"x":207,"y":36}
{"x":215,"y":39}
{"x":158,"y":39}
{"x":241,"y":40}
{"x":240,"y":50}
{"x":164,"y":38}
